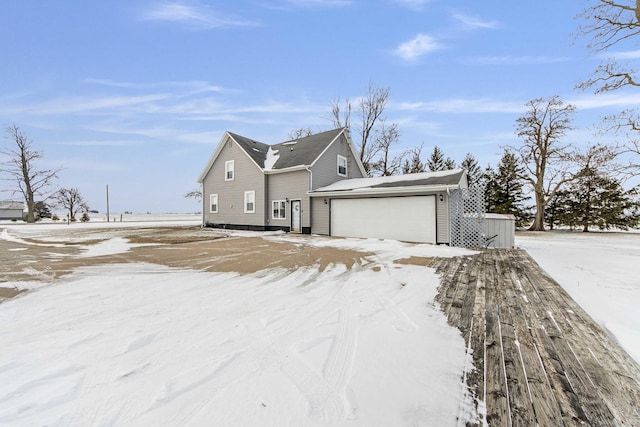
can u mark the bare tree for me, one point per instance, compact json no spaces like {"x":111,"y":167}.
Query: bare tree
{"x":609,"y":24}
{"x":371,"y":107}
{"x":195,"y":194}
{"x":300,"y":133}
{"x":20,"y":168}
{"x":545,"y":158}
{"x":386,"y":138}
{"x":341,"y":118}
{"x":71,"y":200}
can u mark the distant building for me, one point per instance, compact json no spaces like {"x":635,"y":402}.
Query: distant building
{"x":11,"y":210}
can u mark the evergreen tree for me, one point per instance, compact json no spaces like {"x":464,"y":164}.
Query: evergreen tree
{"x":488,"y":181}
{"x":436,"y":161}
{"x":449,"y":164}
{"x":598,"y":200}
{"x":42,"y":210}
{"x":470,"y":164}
{"x":559,"y":210}
{"x":508,"y":194}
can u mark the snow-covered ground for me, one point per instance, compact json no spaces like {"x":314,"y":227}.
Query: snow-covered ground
{"x":100,"y":220}
{"x":143,"y":344}
{"x":601,"y":272}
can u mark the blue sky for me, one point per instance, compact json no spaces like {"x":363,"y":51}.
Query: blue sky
{"x":136,"y":94}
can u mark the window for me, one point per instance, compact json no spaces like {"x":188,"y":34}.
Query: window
{"x":249,"y":202}
{"x":279,"y":209}
{"x":228,"y":170}
{"x":342,"y":165}
{"x":213,"y":203}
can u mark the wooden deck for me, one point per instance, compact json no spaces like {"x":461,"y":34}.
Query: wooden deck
{"x":539,"y":358}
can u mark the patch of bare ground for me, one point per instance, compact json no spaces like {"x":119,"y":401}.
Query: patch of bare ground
{"x":416,"y":260}
{"x":46,"y":259}
{"x":6,"y":293}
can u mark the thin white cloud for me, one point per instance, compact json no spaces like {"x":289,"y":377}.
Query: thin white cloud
{"x":630,"y":54}
{"x":617,"y":100}
{"x":316,"y":3}
{"x":518,"y":60}
{"x":194,"y":86}
{"x":194,"y":16}
{"x":84,"y":105}
{"x":420,"y":45}
{"x":458,"y":105}
{"x":413,"y":4}
{"x":101,"y":143}
{"x":471,"y":23}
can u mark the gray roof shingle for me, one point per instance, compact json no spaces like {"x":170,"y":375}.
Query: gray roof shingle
{"x":301,"y":152}
{"x":255,"y":149}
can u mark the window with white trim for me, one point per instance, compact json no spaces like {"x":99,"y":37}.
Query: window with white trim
{"x":213,"y":203}
{"x":229,"y":170}
{"x":249,"y":202}
{"x":342,"y":165}
{"x":279,"y":210}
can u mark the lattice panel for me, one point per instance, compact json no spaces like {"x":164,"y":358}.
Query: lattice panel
{"x":467,"y":210}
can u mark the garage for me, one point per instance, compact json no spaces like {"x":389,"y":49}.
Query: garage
{"x":409,"y":219}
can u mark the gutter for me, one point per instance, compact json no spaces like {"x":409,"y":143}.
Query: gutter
{"x":369,"y":191}
{"x":289,"y":169}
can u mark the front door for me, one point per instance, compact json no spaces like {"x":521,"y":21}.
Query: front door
{"x":296,"y":216}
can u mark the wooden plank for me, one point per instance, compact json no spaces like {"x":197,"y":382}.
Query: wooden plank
{"x":475,"y":379}
{"x":544,"y":404}
{"x":522,"y":413}
{"x":543,"y":335}
{"x":497,"y":394}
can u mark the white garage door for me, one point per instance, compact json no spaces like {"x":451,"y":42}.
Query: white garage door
{"x":410,"y":219}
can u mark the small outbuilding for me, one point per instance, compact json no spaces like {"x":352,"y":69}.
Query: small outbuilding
{"x":500,"y":230}
{"x":11,"y":210}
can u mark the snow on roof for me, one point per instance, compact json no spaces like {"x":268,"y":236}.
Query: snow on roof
{"x":272,"y":158}
{"x":442,"y":178}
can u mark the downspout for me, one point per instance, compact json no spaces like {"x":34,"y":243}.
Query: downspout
{"x":266,"y":207}
{"x":449,"y":213}
{"x":203,"y":204}
{"x":309,"y":198}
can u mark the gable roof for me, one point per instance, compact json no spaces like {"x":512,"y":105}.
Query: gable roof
{"x":295,"y":153}
{"x":256,"y":150}
{"x":303,"y":151}
{"x":424,"y":181}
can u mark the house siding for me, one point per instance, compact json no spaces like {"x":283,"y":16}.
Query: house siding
{"x":443,"y":221}
{"x":11,"y":213}
{"x":247,"y":177}
{"x":320,"y":217}
{"x":293,"y":186}
{"x":325,"y":169}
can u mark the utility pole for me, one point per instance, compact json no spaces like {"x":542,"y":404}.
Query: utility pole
{"x":107,"y":202}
